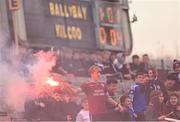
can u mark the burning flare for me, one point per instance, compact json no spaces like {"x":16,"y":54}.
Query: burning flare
{"x":52,"y":82}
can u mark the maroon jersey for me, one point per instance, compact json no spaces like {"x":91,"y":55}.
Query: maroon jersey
{"x":96,"y":96}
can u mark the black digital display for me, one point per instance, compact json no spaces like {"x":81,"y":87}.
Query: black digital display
{"x":60,"y":23}
{"x":110,"y":30}
{"x":88,"y":24}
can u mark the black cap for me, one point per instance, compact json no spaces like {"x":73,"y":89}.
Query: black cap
{"x":176,"y":63}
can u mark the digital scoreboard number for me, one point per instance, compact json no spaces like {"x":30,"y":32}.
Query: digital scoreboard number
{"x":109,"y":25}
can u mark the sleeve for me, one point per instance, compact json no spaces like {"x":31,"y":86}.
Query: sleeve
{"x":132,"y":91}
{"x":79,"y":118}
{"x":85,"y":88}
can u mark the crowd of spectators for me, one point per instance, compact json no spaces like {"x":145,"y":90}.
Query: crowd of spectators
{"x":148,"y":98}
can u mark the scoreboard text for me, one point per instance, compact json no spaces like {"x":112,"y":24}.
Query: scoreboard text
{"x":93,"y":24}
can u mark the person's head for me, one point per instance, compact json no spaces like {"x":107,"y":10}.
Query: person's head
{"x":127,"y":66}
{"x":157,"y":99}
{"x":84,"y":104}
{"x":135,"y":59}
{"x":145,"y":58}
{"x":112,"y":57}
{"x":157,"y":94}
{"x":94,"y":72}
{"x":139,"y":77}
{"x":173,"y":99}
{"x":121,"y":57}
{"x":170,"y":81}
{"x":152,"y":73}
{"x":145,"y":76}
{"x":126,"y":101}
{"x":176,"y":66}
{"x":112,"y":85}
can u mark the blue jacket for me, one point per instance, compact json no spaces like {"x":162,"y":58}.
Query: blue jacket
{"x":137,"y":93}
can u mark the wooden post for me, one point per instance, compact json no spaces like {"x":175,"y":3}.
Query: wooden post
{"x":14,"y":5}
{"x":15,"y":31}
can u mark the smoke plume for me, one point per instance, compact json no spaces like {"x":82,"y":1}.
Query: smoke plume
{"x":19,"y":72}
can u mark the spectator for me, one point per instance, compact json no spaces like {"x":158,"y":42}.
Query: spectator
{"x":176,"y":68}
{"x":113,"y":113}
{"x":96,"y":95}
{"x":38,"y":109}
{"x":56,"y":110}
{"x":156,"y":108}
{"x":119,"y":61}
{"x":110,"y":69}
{"x":83,"y":115}
{"x":169,"y":86}
{"x":135,"y":65}
{"x":145,"y":64}
{"x":153,"y":83}
{"x":126,"y":72}
{"x":137,"y":93}
{"x":173,"y":106}
{"x":111,"y":85}
{"x":128,"y":113}
{"x":61,"y":108}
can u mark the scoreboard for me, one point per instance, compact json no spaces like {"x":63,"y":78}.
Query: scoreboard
{"x":88,"y":24}
{"x":109,"y":23}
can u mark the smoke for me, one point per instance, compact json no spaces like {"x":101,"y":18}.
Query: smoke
{"x":19,"y":72}
{"x":41,"y":70}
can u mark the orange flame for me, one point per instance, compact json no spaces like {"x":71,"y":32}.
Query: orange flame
{"x":51,"y":82}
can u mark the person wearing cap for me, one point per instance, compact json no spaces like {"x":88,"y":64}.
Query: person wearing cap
{"x":95,"y":91}
{"x":176,"y":68}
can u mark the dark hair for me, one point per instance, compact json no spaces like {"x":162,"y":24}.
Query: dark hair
{"x":171,"y":76}
{"x":123,"y":98}
{"x":139,"y":73}
{"x":155,"y":93}
{"x":175,"y":60}
{"x":135,"y":56}
{"x":176,"y":63}
{"x":145,"y":55}
{"x":111,"y":81}
{"x":173,"y":95}
{"x":154,"y":71}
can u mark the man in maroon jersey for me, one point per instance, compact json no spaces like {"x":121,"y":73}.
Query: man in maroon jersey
{"x":96,"y":95}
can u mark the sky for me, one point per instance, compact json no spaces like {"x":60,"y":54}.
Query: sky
{"x":157,"y":31}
